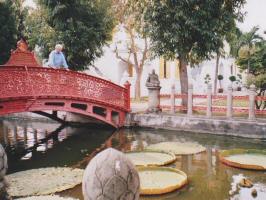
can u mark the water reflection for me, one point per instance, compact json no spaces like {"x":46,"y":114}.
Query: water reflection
{"x":41,"y":144}
{"x":208,"y":178}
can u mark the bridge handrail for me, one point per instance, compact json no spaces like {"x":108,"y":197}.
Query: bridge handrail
{"x":21,"y":81}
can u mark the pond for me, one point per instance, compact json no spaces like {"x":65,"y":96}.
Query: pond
{"x":42,"y":144}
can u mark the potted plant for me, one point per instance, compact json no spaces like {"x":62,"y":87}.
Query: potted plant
{"x":239,"y":82}
{"x":220,"y":78}
{"x":232,"y":79}
{"x":207,"y":79}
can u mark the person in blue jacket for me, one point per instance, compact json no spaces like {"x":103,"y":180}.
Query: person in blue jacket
{"x":57,"y":58}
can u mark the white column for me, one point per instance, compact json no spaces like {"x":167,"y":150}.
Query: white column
{"x":190,"y":100}
{"x":209,"y":101}
{"x":229,"y":108}
{"x":173,"y":99}
{"x":252,"y":96}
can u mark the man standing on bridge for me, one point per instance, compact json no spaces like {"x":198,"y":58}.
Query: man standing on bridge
{"x":57,"y":58}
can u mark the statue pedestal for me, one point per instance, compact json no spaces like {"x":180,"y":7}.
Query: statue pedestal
{"x":154,"y":99}
{"x":153,"y":86}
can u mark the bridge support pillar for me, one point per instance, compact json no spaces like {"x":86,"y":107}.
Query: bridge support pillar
{"x":54,"y":113}
{"x":109,"y":115}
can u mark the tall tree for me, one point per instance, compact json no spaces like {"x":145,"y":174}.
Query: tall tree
{"x":253,"y":59}
{"x":38,"y":32}
{"x":21,"y":13}
{"x":219,"y":53}
{"x":84,"y":27}
{"x":179,"y":28}
{"x":8,"y":30}
{"x":248,"y":41}
{"x":131,"y":19}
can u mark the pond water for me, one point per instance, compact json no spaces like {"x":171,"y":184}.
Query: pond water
{"x":42,"y":144}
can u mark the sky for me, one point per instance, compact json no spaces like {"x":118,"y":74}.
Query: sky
{"x":255,"y":15}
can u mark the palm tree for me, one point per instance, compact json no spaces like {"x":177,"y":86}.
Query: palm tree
{"x":247,"y":40}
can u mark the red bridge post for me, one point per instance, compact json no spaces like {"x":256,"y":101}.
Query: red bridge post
{"x":127,"y":86}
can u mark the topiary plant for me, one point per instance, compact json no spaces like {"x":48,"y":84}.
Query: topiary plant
{"x":239,"y":82}
{"x":207,"y":79}
{"x":232,"y":78}
{"x":220,"y":77}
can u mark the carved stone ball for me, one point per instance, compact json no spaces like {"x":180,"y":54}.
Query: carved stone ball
{"x":3,"y":166}
{"x":3,"y":162}
{"x":110,"y":176}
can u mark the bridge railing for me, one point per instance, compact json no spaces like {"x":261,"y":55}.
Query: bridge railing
{"x":38,"y":82}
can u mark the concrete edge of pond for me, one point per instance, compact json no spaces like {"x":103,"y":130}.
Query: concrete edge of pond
{"x":217,"y":126}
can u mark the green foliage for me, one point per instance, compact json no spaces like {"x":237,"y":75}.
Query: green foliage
{"x":220,"y":77}
{"x":238,"y":39}
{"x":38,"y":32}
{"x":20,"y":14}
{"x":232,"y":78}
{"x":8,"y":30}
{"x":254,"y":59}
{"x":207,"y":79}
{"x":259,"y":81}
{"x":84,"y":27}
{"x":186,"y":27}
{"x":232,"y":37}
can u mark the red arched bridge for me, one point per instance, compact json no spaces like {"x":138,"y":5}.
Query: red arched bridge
{"x":25,"y":86}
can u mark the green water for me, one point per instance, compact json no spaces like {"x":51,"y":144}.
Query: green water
{"x":208,"y":178}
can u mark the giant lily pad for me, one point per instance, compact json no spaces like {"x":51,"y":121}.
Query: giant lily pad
{"x":178,"y":148}
{"x":43,"y":181}
{"x":160,"y":180}
{"x":50,"y":197}
{"x":150,"y":158}
{"x":244,"y":158}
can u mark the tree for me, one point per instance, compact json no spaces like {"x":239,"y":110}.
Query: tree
{"x":8,"y":31}
{"x":248,"y":41}
{"x":38,"y":32}
{"x":219,"y":53}
{"x":131,"y":18}
{"x":253,"y":59}
{"x":84,"y":27}
{"x":260,"y":82}
{"x":233,"y":40}
{"x":184,"y":27}
{"x":21,"y":13}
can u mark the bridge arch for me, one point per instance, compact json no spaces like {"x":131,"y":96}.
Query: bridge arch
{"x":27,"y":87}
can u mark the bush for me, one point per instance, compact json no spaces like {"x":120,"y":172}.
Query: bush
{"x":232,"y":78}
{"x":220,"y":77}
{"x":259,"y":81}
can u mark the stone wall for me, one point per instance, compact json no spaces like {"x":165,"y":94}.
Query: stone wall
{"x":219,"y":126}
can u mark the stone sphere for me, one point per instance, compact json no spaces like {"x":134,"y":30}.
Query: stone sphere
{"x":110,"y":176}
{"x":3,"y":167}
{"x":3,"y":162}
